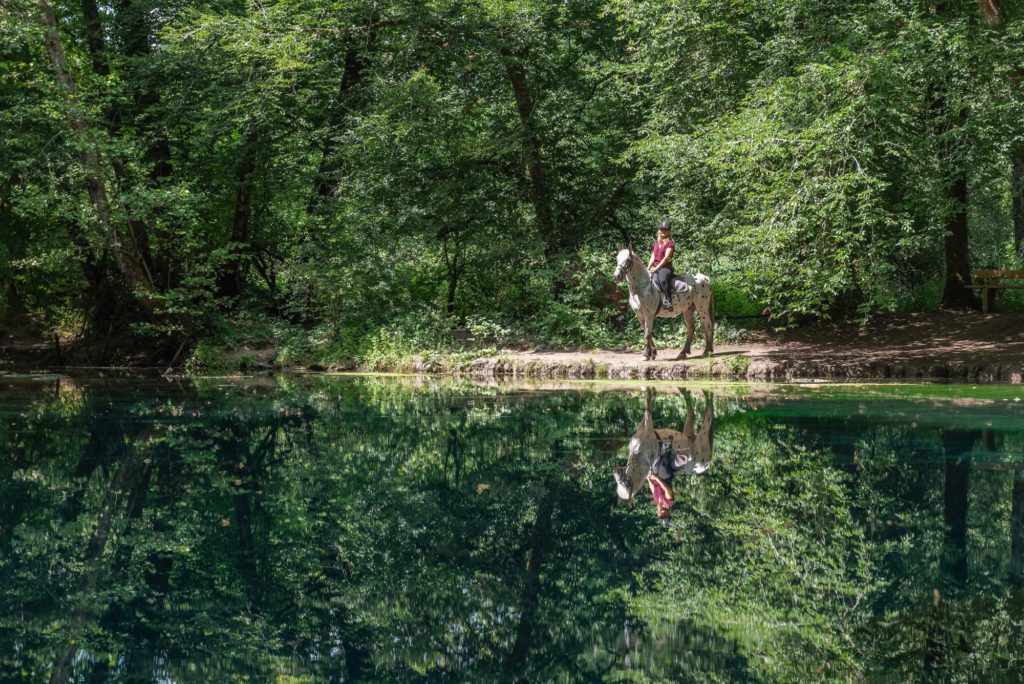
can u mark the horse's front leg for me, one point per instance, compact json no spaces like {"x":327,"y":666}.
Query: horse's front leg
{"x":651,"y":352}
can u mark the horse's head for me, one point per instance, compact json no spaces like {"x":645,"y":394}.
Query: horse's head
{"x":623,"y":490}
{"x":623,"y":262}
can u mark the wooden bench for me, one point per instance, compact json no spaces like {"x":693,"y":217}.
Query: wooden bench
{"x":988,"y":281}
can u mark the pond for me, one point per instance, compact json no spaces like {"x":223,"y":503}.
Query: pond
{"x":325,"y":528}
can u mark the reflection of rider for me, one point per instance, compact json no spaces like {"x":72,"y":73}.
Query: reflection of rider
{"x":663,"y":470}
{"x":660,"y":264}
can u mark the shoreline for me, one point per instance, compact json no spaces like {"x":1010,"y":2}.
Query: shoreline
{"x":729,"y":367}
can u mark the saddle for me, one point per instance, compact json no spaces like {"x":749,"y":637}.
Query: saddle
{"x":678,"y":284}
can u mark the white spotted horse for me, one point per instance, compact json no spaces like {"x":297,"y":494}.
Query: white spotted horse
{"x":645,"y":300}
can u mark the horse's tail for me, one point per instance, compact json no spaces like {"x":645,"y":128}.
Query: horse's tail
{"x":710,"y":327}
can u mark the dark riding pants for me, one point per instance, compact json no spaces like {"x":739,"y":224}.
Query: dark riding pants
{"x":663,"y":281}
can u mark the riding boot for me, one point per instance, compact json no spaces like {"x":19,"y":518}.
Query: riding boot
{"x":666,"y":295}
{"x":666,"y":301}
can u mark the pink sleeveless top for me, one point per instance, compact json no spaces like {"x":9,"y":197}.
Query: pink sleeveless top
{"x":660,"y":249}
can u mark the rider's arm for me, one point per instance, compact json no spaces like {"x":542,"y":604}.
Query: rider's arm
{"x":664,"y":261}
{"x":655,"y":481}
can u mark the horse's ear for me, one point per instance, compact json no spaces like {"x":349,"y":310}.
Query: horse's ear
{"x":631,"y":250}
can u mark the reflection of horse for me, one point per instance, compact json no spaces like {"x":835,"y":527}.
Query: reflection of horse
{"x":693,"y":448}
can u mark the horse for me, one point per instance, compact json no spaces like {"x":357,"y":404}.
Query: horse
{"x":692,"y":446}
{"x":645,"y":300}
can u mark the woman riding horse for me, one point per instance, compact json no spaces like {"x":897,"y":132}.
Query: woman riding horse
{"x":660,"y":264}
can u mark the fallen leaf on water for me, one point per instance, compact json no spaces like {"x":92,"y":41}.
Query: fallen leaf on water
{"x":482,"y":487}
{"x":224,"y":522}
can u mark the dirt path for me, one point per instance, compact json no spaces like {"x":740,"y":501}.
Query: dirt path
{"x":965,"y":346}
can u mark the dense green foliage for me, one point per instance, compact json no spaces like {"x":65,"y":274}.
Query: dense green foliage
{"x":352,"y":178}
{"x":338,"y":529}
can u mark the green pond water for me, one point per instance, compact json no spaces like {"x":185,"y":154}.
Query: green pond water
{"x":326,"y":528}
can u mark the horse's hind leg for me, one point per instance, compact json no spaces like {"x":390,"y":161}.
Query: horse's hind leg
{"x":707,"y":316}
{"x":647,"y":346}
{"x":649,"y":351}
{"x":688,"y":316}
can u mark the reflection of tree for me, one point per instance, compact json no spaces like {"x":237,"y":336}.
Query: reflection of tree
{"x":1017,"y":526}
{"x":121,"y":503}
{"x":305,"y":524}
{"x":768,"y":557}
{"x":351,"y":530}
{"x":957,"y":446}
{"x":537,"y":546}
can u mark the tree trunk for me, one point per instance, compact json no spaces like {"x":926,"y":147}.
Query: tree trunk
{"x":453,"y":282}
{"x":325,"y":183}
{"x":135,"y":32}
{"x":955,"y":241}
{"x":1017,"y":194}
{"x":131,"y":19}
{"x":453,"y":264}
{"x":957,"y":249}
{"x":232,"y":280}
{"x":540,"y":196}
{"x":94,"y":37}
{"x":128,"y":264}
{"x":993,"y":12}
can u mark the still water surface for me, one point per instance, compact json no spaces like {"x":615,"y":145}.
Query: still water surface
{"x":317,"y":528}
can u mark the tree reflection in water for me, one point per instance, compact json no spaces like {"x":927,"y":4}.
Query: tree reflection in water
{"x":330,"y":529}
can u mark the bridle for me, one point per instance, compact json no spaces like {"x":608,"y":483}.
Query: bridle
{"x":621,"y":269}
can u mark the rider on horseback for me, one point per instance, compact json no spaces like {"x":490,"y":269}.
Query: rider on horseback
{"x":660,"y":264}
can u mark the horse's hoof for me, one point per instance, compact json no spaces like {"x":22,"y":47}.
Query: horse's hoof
{"x":681,"y":357}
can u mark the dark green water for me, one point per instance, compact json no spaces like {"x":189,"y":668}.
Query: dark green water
{"x":353,"y":529}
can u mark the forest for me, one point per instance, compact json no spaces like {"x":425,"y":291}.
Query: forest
{"x":344,"y":179}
